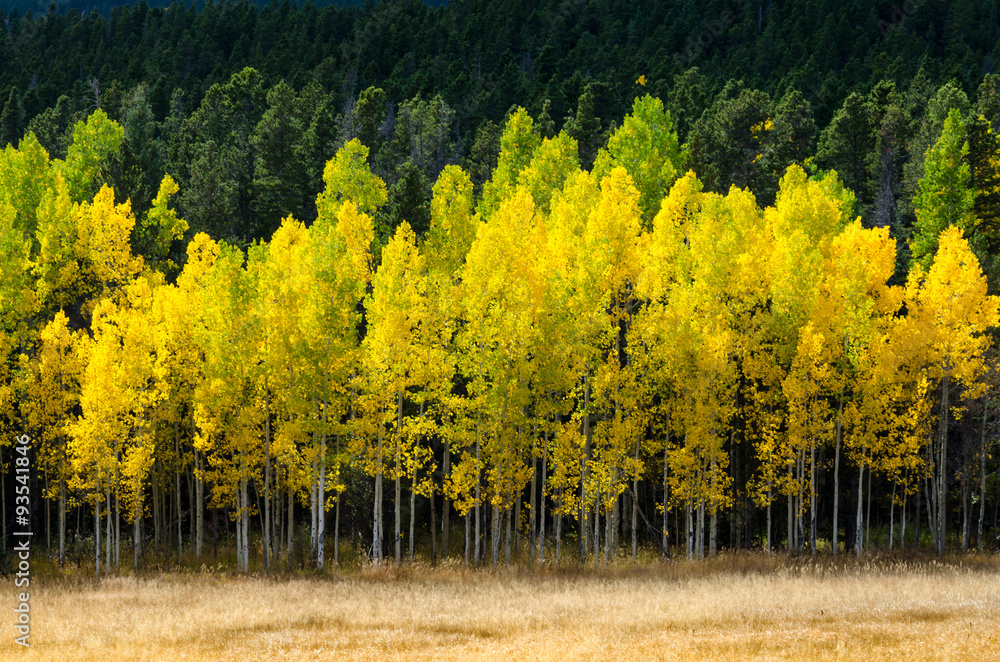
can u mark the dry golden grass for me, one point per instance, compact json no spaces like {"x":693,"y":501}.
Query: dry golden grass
{"x":734,"y":609}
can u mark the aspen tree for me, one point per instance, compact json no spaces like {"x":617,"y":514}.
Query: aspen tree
{"x":502,"y":289}
{"x":452,"y":231}
{"x":227,"y":420}
{"x":945,"y":196}
{"x":948,"y":315}
{"x":517,"y":146}
{"x":342,"y":267}
{"x":94,"y":139}
{"x":856,"y":308}
{"x":112,"y":439}
{"x":396,"y":308}
{"x":25,"y":173}
{"x":646,"y":145}
{"x":53,"y":391}
{"x":202,"y":253}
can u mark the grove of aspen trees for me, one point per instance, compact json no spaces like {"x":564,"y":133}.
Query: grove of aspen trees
{"x":570,"y":364}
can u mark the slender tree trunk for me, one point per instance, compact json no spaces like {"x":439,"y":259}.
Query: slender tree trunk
{"x":189,"y":483}
{"x":666,"y":490}
{"x":107,"y":557}
{"x":769,"y":499}
{"x":118,"y":532}
{"x":467,"y":528}
{"x":267,"y":477}
{"x":476,"y":556}
{"x":516,"y":517}
{"x":559,"y":528}
{"x":446,"y":504}
{"x":336,"y":522}
{"x":399,"y":485}
{"x":635,"y":509}
{"x":609,"y":534}
{"x":868,"y":515}
{"x":812,"y":499}
{"x":156,"y":504}
{"x":321,"y":502}
{"x":413,"y":511}
{"x":701,"y":530}
{"x":584,"y":469}
{"x":177,"y":491}
{"x":597,"y":528}
{"x":689,"y":525}
{"x":541,"y":500}
{"x":377,"y":516}
{"x":713,"y":533}
{"x":433,"y":525}
{"x":943,"y":462}
{"x":506,"y":558}
{"x":859,"y":530}
{"x":136,"y":541}
{"x":97,"y":531}
{"x":836,"y":473}
{"x":3,"y":504}
{"x":291,"y":523}
{"x":533,"y":495}
{"x":62,"y":521}
{"x":413,"y":495}
{"x":199,"y":500}
{"x":982,"y":475}
{"x":930,"y":485}
{"x":902,"y":523}
{"x":48,"y":519}
{"x":495,"y":536}
{"x":313,"y":497}
{"x":245,"y":521}
{"x":790,"y":525}
{"x":892,"y":515}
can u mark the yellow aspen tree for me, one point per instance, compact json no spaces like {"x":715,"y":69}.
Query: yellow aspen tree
{"x":946,"y":330}
{"x":53,"y":390}
{"x":808,"y":422}
{"x":225,"y":413}
{"x":341,"y":268}
{"x":517,"y":147}
{"x":453,"y":227}
{"x":162,"y":225}
{"x":185,"y":312}
{"x":346,"y":178}
{"x":289,"y":382}
{"x":104,"y":241}
{"x":112,"y":442}
{"x":607,"y":275}
{"x":178,"y":361}
{"x":502,"y":288}
{"x":655,"y":354}
{"x":17,"y":306}
{"x":393,"y":312}
{"x":807,"y":215}
{"x":856,"y":307}
{"x":552,"y":162}
{"x":452,"y":231}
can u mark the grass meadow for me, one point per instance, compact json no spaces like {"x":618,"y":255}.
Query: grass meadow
{"x":734,"y":608}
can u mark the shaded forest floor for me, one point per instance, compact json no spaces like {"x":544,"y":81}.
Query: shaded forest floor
{"x":733,"y":608}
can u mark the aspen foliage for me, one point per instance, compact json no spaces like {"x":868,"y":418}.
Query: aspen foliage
{"x":571,"y":345}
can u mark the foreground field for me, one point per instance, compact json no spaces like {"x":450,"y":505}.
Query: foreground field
{"x":731,"y":610}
